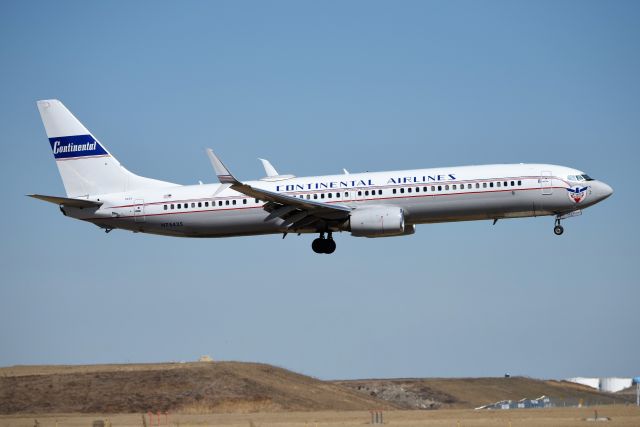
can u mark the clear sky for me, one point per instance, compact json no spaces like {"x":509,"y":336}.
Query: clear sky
{"x":315,"y":87}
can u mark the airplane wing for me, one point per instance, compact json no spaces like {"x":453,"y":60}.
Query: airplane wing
{"x":74,"y":203}
{"x":296,"y":212}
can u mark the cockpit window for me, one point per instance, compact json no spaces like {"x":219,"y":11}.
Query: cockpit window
{"x":579,"y":178}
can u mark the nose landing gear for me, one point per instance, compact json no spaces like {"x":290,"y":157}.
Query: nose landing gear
{"x":558,"y":229}
{"x":323,"y":245}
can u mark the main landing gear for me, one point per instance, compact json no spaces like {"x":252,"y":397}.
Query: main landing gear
{"x":323,"y":245}
{"x":558,"y":229}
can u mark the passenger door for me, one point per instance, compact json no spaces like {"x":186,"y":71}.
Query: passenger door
{"x":546,"y":183}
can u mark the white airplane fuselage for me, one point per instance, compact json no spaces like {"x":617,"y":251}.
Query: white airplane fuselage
{"x":372,"y":204}
{"x":425,"y":195}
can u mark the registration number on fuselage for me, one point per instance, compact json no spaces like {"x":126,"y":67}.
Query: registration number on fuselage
{"x":171,"y":224}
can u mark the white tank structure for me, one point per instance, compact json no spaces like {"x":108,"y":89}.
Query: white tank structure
{"x":614,"y":384}
{"x":589,"y":382}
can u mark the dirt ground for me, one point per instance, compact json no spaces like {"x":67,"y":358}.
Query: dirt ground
{"x":557,"y":417}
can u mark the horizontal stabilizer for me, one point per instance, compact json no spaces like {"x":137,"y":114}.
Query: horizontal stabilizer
{"x":74,"y":203}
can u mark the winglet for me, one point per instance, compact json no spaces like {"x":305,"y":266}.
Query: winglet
{"x":268,"y":168}
{"x":221,"y":170}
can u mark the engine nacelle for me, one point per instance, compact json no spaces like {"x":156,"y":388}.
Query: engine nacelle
{"x":379,"y":221}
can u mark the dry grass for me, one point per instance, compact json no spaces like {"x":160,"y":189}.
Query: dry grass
{"x":557,"y":417}
{"x":190,"y":387}
{"x":233,"y":387}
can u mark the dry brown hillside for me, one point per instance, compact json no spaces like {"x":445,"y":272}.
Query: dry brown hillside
{"x":174,"y":387}
{"x":222,"y":387}
{"x":433,"y":393}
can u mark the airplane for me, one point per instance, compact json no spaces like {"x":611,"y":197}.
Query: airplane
{"x":101,"y":191}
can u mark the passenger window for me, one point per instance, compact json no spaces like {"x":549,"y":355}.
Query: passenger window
{"x":454,"y":187}
{"x":394,"y":191}
{"x":257,"y":200}
{"x":366,"y":192}
{"x":446,"y":187}
{"x":244,"y":201}
{"x":308,"y":196}
{"x":491,"y":184}
{"x":172,"y":206}
{"x":359,"y":193}
{"x":337,"y":195}
{"x":498,"y":184}
{"x":409,"y":190}
{"x":179,"y":206}
{"x":199,"y":204}
{"x":206,"y":204}
{"x":346,"y":194}
{"x":233,"y":202}
{"x":477,"y":185}
{"x":315,"y":196}
{"x":519,"y":182}
{"x":330,"y":195}
{"x":513,"y":183}
{"x":165,"y":207}
{"x":433,"y":188}
{"x":439,"y":187}
{"x":322,"y":195}
{"x":402,"y":190}
{"x":226,"y":202}
{"x":417,"y":189}
{"x":425,"y":189}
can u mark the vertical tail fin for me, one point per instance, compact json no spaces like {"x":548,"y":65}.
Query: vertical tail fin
{"x":85,"y":165}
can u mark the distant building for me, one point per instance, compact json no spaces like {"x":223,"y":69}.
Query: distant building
{"x":607,"y":384}
{"x":613,"y":384}
{"x":589,"y":382}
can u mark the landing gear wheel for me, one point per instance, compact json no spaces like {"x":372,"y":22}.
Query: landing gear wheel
{"x":329,"y":246}
{"x":558,"y":230}
{"x":318,"y":246}
{"x":323,"y":245}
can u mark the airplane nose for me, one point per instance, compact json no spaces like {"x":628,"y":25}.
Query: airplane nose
{"x":604,"y":190}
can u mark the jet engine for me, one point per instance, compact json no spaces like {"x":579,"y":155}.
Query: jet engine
{"x":379,"y":221}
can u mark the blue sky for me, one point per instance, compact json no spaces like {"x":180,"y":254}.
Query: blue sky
{"x":315,"y":87}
